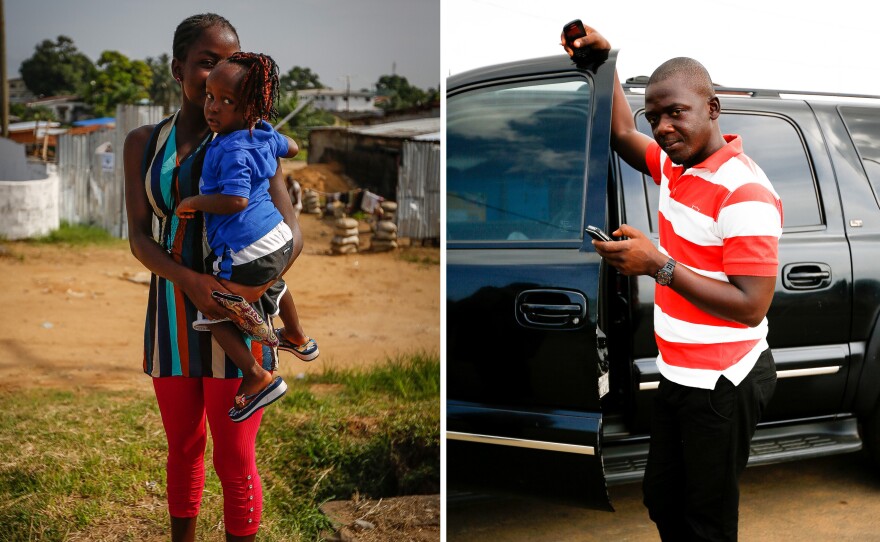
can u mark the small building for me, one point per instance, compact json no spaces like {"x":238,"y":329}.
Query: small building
{"x":18,"y":91}
{"x":340,"y":101}
{"x":88,"y":126}
{"x":67,"y":108}
{"x":399,"y":161}
{"x":39,"y":137}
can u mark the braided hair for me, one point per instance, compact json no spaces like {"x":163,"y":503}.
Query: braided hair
{"x":189,"y":30}
{"x":259,"y":86}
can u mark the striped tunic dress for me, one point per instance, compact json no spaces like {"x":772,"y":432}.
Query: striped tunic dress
{"x":171,"y":346}
{"x":719,"y":218}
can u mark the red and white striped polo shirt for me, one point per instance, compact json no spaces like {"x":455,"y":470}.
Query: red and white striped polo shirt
{"x":718,"y":218}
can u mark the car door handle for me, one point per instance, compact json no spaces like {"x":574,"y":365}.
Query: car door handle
{"x":551,"y":311}
{"x":806,"y":276}
{"x":550,"y":308}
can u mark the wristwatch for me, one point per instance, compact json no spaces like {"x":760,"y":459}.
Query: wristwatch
{"x":664,"y":274}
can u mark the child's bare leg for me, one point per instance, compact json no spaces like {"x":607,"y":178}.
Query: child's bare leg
{"x":254,"y":377}
{"x":293,"y":331}
{"x":248,"y":292}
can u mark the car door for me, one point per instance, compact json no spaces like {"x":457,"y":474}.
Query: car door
{"x":527,"y":169}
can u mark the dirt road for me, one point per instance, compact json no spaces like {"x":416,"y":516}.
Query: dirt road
{"x":74,"y":318}
{"x":832,"y":498}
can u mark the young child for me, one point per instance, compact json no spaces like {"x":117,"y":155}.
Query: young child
{"x":250,"y":242}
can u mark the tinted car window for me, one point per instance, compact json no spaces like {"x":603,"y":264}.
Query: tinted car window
{"x":863,"y":124}
{"x":516,"y":159}
{"x":776,"y":146}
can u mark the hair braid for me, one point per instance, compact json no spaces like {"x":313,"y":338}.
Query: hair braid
{"x":259,"y":86}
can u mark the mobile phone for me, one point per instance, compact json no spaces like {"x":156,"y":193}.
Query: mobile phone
{"x":598,"y":234}
{"x":572,"y":31}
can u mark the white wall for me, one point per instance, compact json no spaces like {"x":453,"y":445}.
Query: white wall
{"x":28,"y":208}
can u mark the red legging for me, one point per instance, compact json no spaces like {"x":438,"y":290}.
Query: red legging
{"x":184,"y":402}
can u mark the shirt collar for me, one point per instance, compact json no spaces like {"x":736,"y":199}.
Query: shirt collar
{"x":721,"y":156}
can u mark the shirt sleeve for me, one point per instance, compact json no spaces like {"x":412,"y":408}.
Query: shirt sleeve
{"x":281,"y":146}
{"x":235,"y":174}
{"x":652,"y":159}
{"x":750,"y":223}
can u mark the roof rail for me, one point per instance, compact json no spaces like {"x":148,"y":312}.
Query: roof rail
{"x":641,"y":82}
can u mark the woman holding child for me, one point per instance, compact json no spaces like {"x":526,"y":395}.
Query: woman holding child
{"x":194,"y":380}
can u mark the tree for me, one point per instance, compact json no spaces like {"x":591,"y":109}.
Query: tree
{"x":399,"y":94}
{"x":119,"y":81}
{"x":298,"y":78}
{"x":163,"y":90}
{"x":57,"y":68}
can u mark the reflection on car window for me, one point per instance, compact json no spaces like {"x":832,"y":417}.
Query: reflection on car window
{"x":516,"y":156}
{"x":775,"y":145}
{"x":863,"y":124}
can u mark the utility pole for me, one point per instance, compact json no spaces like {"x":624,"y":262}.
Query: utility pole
{"x":4,"y":82}
{"x":347,"y":97}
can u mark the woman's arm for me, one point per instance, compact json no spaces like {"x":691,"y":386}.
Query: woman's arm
{"x":196,"y":286}
{"x":281,"y":198}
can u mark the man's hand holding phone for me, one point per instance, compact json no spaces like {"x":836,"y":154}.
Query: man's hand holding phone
{"x":598,"y":234}
{"x":581,"y":41}
{"x":635,"y":254}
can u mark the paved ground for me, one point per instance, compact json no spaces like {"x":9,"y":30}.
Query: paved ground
{"x":834,"y":498}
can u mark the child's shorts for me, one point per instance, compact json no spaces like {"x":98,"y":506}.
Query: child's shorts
{"x":259,"y":262}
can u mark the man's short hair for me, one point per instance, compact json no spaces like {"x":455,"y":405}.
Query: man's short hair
{"x":693,"y":72}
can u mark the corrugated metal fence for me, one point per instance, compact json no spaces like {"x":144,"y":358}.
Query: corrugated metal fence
{"x":418,"y":191}
{"x":90,"y":171}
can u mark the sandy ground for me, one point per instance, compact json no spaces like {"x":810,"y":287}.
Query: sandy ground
{"x":75,"y":318}
{"x":827,"y":498}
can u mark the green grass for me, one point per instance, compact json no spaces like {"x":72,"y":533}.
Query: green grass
{"x":420,"y":256}
{"x":78,"y":235}
{"x":90,"y":465}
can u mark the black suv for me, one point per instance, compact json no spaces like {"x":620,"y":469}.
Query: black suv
{"x":550,"y":359}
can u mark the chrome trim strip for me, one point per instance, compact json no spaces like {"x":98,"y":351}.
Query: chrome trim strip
{"x":790,"y":373}
{"x":522,"y":443}
{"x":808,"y":372}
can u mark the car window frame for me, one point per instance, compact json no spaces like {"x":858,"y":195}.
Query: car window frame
{"x":523,"y":81}
{"x":823,"y":219}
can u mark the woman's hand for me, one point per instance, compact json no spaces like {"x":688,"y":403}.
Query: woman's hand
{"x":198,"y":288}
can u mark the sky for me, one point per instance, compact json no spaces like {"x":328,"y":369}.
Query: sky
{"x":787,"y":45}
{"x":354,"y":40}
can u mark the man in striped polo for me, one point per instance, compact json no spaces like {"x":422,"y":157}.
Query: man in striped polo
{"x":715,"y":268}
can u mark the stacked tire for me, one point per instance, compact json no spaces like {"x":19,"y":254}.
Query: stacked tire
{"x":345,"y":237}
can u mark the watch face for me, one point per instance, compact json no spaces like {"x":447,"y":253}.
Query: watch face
{"x":664,"y":275}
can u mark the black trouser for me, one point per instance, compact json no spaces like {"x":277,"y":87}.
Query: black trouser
{"x":699,"y":447}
